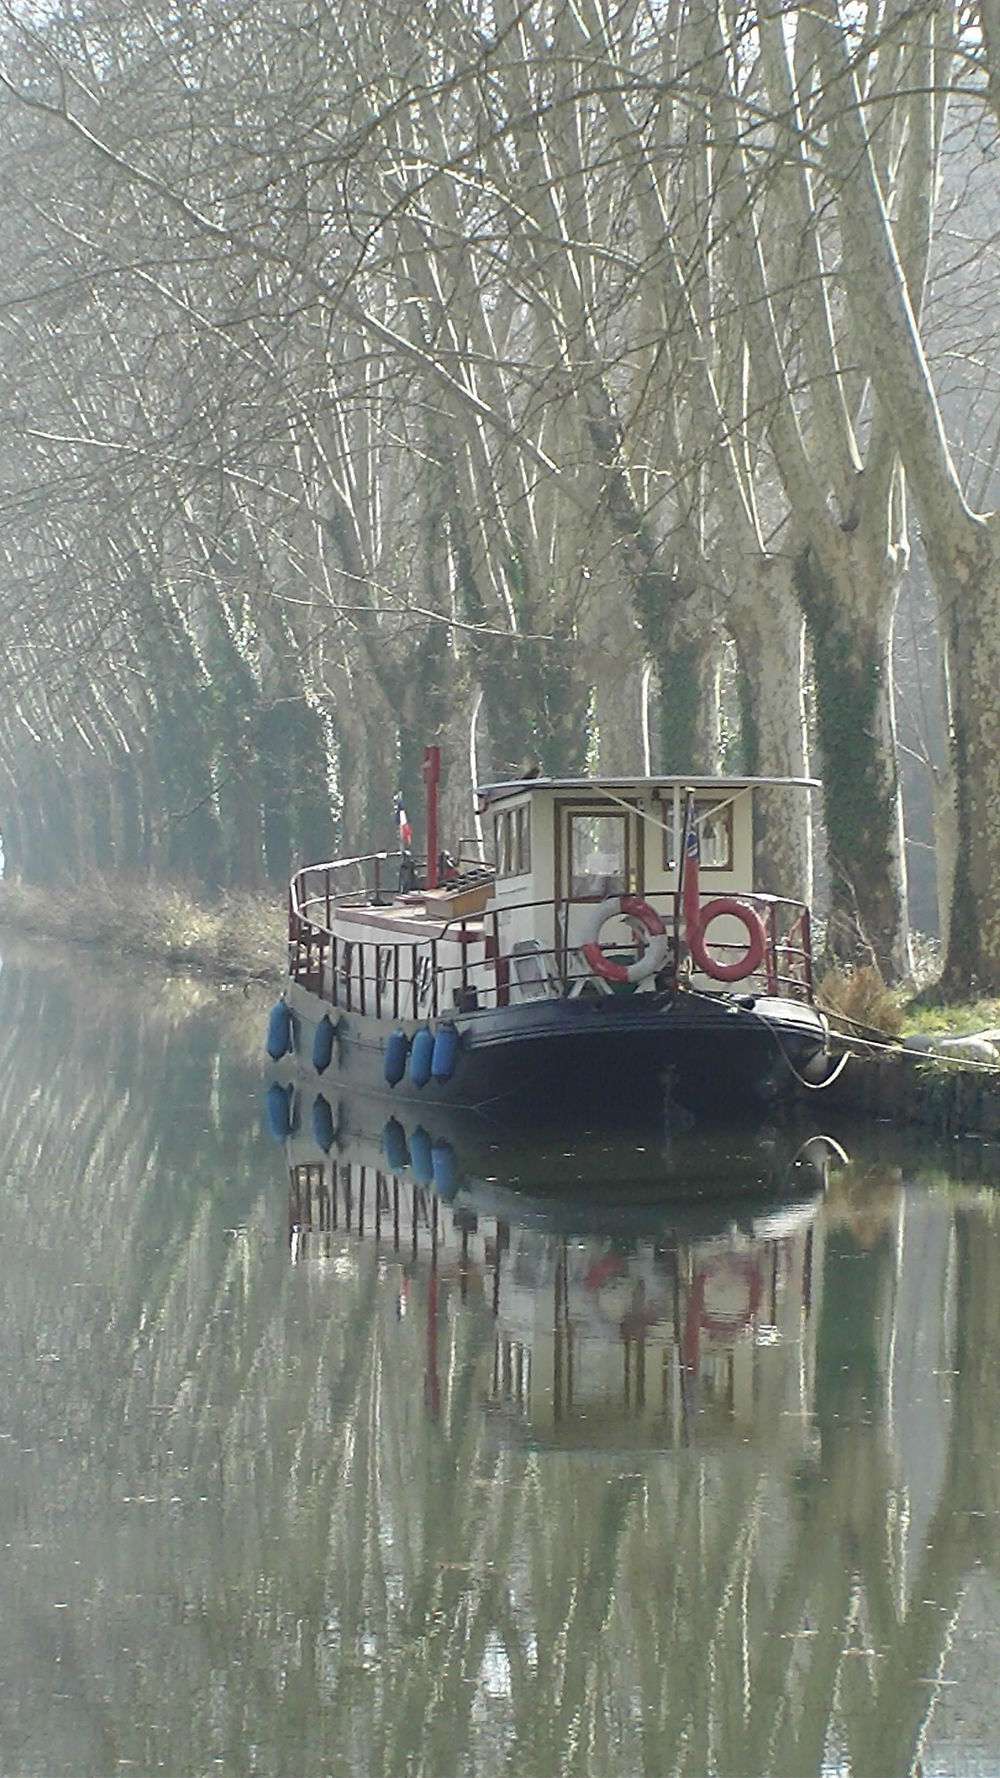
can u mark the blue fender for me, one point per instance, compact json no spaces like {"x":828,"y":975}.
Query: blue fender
{"x":323,"y":1042}
{"x":324,"y":1129}
{"x":445,"y":1170}
{"x":421,"y":1057}
{"x":279,"y":1110}
{"x":394,"y":1064}
{"x":447,"y":1044}
{"x":420,"y":1156}
{"x":280,"y":1030}
{"x":394,"y":1144}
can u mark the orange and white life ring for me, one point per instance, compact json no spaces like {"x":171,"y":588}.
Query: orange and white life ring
{"x":752,"y":924}
{"x":638,"y":913}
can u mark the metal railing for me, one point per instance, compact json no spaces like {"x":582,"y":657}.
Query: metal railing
{"x":462,"y":965}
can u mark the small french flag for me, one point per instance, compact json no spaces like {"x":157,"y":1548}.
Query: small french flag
{"x":405,"y":830}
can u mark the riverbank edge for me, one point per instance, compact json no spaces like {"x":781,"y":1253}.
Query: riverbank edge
{"x":239,"y":939}
{"x":946,"y":1096}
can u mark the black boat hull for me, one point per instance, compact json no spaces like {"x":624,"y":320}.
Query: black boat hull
{"x":588,"y":1062}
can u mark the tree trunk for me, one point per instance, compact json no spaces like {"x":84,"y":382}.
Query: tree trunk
{"x":681,"y":641}
{"x":972,"y":961}
{"x":851,"y":637}
{"x":613,"y":652}
{"x":770,"y":637}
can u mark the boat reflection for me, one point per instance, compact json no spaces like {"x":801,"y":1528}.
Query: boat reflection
{"x":649,"y":1294}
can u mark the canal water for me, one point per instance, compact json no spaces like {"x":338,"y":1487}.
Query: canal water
{"x":655,"y":1457}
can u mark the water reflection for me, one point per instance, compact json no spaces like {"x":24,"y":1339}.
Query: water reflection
{"x":785,"y":1537}
{"x":645,"y":1297}
{"x":306,"y":1468}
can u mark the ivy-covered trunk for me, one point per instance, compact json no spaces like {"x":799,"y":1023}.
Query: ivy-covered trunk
{"x":617,"y":711}
{"x":48,"y":824}
{"x":687,"y":673}
{"x":972,"y":962}
{"x":681,"y":643}
{"x":770,"y":638}
{"x":368,"y":768}
{"x":536,"y":707}
{"x":851,"y":662}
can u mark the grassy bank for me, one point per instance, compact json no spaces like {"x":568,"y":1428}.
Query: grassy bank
{"x":860,"y":998}
{"x":240,"y":938}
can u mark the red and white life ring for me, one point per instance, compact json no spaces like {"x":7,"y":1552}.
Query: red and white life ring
{"x":752,"y":924}
{"x":638,"y":913}
{"x":726,"y":1323}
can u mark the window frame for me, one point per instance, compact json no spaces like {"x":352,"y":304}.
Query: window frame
{"x":512,"y":841}
{"x":704,"y":805}
{"x":598,"y":812}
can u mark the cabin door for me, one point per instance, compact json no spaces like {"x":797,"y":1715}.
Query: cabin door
{"x":599,"y":852}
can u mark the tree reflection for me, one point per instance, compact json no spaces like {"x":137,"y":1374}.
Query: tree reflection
{"x":393,"y":1485}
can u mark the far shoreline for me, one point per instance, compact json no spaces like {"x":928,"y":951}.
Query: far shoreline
{"x":241,"y":938}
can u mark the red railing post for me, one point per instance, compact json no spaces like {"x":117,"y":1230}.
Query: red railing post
{"x":771,"y":958}
{"x":807,"y":961}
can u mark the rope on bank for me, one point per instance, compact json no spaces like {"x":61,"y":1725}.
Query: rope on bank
{"x":897,"y":1047}
{"x":955,"y":1093}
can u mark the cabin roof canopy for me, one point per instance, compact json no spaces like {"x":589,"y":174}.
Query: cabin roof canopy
{"x":490,"y":793}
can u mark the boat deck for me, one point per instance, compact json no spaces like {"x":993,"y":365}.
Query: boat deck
{"x":410,"y":917}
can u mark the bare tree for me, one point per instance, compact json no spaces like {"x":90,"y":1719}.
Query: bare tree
{"x":518,"y":363}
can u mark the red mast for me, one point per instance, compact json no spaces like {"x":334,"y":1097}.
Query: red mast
{"x":432,"y":774}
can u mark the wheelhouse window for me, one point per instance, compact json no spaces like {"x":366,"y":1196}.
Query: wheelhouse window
{"x":715,"y":833}
{"x":714,"y":821}
{"x":598,"y":859}
{"x":512,"y":841}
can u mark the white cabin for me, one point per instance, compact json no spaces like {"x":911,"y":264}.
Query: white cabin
{"x":571,"y":843}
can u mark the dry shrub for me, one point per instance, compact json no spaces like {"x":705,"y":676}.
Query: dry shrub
{"x":860,"y":997}
{"x":238,"y":937}
{"x":863,"y":1197}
